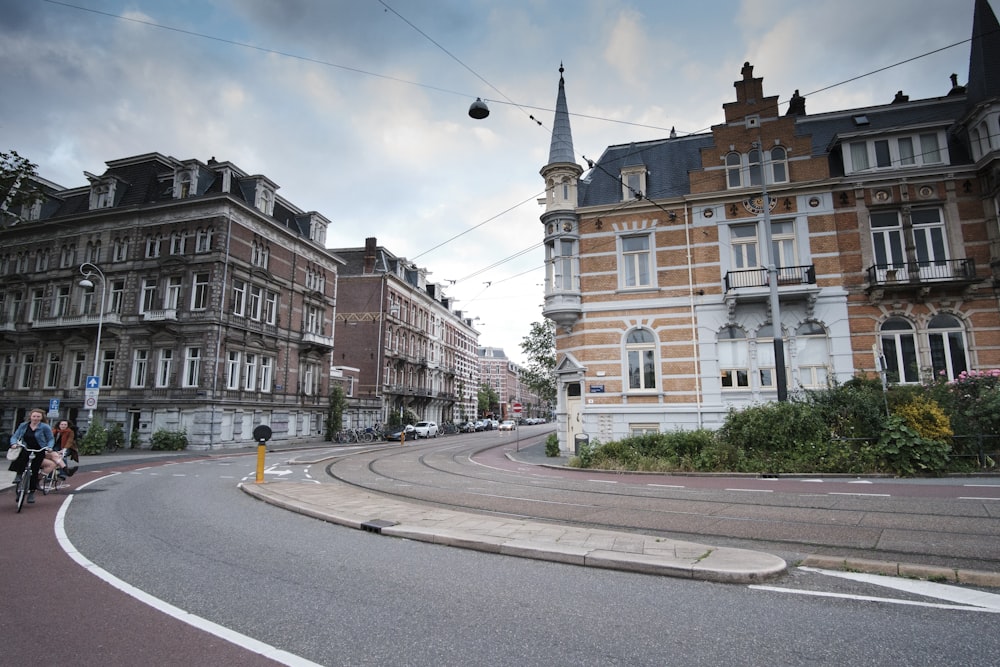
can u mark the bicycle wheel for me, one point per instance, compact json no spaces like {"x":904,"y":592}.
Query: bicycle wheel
{"x":45,"y":483}
{"x":23,"y":487}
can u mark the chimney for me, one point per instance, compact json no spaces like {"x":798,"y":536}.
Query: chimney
{"x":369,"y":266}
{"x":900,"y":97}
{"x":796,"y":105}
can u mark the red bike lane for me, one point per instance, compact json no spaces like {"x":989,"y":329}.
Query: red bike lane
{"x":55,"y":611}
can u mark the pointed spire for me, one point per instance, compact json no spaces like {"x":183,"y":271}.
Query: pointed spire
{"x":561,"y":149}
{"x":984,"y":76}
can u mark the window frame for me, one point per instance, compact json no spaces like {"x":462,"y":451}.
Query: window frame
{"x":640,"y":357}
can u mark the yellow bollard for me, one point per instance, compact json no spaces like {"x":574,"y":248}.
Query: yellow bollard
{"x":261,"y":450}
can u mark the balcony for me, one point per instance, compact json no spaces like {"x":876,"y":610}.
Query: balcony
{"x":162,"y":315}
{"x":311,"y":339}
{"x":918,"y":279}
{"x":75,"y":321}
{"x":794,"y":283}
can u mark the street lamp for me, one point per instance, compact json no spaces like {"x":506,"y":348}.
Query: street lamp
{"x":89,"y":271}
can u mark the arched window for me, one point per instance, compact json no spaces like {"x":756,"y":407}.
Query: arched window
{"x":754,"y":167}
{"x":766,"y":367}
{"x":640,"y":349}
{"x":947,"y":342}
{"x":734,"y":166}
{"x":734,"y":358}
{"x":899,"y":351}
{"x":812,"y":355}
{"x":779,"y":165}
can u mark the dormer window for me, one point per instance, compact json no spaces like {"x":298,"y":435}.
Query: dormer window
{"x":633,"y":183}
{"x":183,"y":184}
{"x":265,"y":199}
{"x":914,"y":150}
{"x":102,"y":194}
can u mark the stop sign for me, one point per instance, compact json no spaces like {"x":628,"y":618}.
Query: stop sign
{"x":516,"y":407}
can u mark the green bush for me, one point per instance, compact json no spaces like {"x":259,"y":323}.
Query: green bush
{"x":777,"y":437}
{"x":903,"y":451}
{"x":165,"y":440}
{"x":552,"y":445}
{"x":95,"y":439}
{"x":925,"y":417}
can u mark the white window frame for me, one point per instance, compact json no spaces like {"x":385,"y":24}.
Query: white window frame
{"x":641,"y":367}
{"x":201,"y":291}
{"x":901,"y":151}
{"x":53,"y":370}
{"x":734,"y":359}
{"x":164,"y":367}
{"x":140,"y":366}
{"x":634,"y":183}
{"x":637,"y":267}
{"x":192,"y":367}
{"x":266,"y":373}
{"x":234,"y":364}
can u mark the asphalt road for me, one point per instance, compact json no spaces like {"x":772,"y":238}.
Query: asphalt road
{"x":185,"y":535}
{"x":949,"y":522}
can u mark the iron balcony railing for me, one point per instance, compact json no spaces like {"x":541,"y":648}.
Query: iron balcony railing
{"x":940,"y":270}
{"x":787,"y":275}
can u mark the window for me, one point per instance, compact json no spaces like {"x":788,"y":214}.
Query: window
{"x":192,"y":367}
{"x":164,"y":368}
{"x":67,"y":257}
{"x":744,"y":243}
{"x":27,"y":370}
{"x":108,"y":368}
{"x":233,"y":370}
{"x":61,"y":305}
{"x":783,"y":243}
{"x":947,"y":345}
{"x":183,"y":185}
{"x":53,"y":370}
{"x":172,"y":298}
{"x":117,"y":296}
{"x":635,"y":261}
{"x":259,"y":254}
{"x":778,"y":165}
{"x":154,"y":245}
{"x":640,"y":349}
{"x":887,"y":242}
{"x":140,"y":362}
{"x":266,"y":373}
{"x":633,"y":183}
{"x":929,"y":243}
{"x":895,"y":152}
{"x":250,"y":376}
{"x":37,"y":299}
{"x":94,"y":252}
{"x":7,"y":372}
{"x":899,"y":351}
{"x":766,"y":368}
{"x":253,"y":303}
{"x":203,"y":240}
{"x":199,"y":295}
{"x":178,"y":243}
{"x":643,"y":429}
{"x":41,"y":261}
{"x":309,"y":378}
{"x":79,"y":369}
{"x":119,"y":250}
{"x":754,"y":167}
{"x":734,"y":170}
{"x":148,"y":300}
{"x":561,"y":265}
{"x":313,"y":320}
{"x":239,"y":297}
{"x":270,"y":315}
{"x":812,"y":355}
{"x":734,"y":358}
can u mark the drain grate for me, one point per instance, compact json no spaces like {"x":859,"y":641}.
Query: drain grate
{"x":376,"y":525}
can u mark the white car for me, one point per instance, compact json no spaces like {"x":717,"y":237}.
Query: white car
{"x":508,"y":425}
{"x":426,"y":429}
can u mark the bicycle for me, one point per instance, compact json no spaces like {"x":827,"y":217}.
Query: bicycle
{"x":24,"y":485}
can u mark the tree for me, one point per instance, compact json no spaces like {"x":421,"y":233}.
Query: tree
{"x":489,"y":400}
{"x":540,"y":348}
{"x":335,"y":412}
{"x":18,"y":187}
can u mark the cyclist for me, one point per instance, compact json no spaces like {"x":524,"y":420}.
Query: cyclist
{"x":65,"y":441}
{"x":32,"y":434}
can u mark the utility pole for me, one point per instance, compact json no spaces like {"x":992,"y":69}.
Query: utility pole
{"x":770,"y":254}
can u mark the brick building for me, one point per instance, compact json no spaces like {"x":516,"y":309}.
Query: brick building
{"x":208,"y":302}
{"x":502,"y":375}
{"x":776,"y":252}
{"x":411,"y":349}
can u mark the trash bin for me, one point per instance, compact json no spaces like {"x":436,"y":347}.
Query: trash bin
{"x":579,"y":440}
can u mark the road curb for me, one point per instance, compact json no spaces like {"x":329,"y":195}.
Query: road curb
{"x":906,"y":570}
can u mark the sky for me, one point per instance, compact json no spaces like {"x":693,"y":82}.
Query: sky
{"x":358,"y":109}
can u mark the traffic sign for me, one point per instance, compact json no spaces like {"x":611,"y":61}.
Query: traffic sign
{"x":90,"y":402}
{"x":516,"y":408}
{"x":93,"y":382}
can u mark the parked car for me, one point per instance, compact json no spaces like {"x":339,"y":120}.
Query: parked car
{"x":395,"y":432}
{"x":467,"y":427}
{"x":484,"y":425}
{"x":508,"y":425}
{"x":426,"y":429}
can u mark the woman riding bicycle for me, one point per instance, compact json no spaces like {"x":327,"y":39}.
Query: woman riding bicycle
{"x":31,"y":434}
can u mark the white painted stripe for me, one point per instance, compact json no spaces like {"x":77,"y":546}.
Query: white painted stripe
{"x":869,"y":598}
{"x":988,"y":486}
{"x":603,"y":481}
{"x":667,"y":486}
{"x":860,"y":481}
{"x":239,"y":639}
{"x":753,"y":490}
{"x":975,"y":498}
{"x":930,"y":589}
{"x":811,"y":480}
{"x":869,"y":495}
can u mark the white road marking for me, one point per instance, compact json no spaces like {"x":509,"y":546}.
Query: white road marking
{"x":869,"y":598}
{"x":603,"y":481}
{"x":960,"y":594}
{"x":867,"y":495}
{"x":861,"y":481}
{"x":975,"y":498}
{"x":667,"y":486}
{"x":753,"y":490}
{"x":237,"y":638}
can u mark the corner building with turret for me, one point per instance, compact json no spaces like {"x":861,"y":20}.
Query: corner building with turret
{"x":871,"y":233}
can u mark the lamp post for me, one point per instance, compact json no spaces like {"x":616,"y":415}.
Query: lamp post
{"x":780,"y":377}
{"x":88,"y":270}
